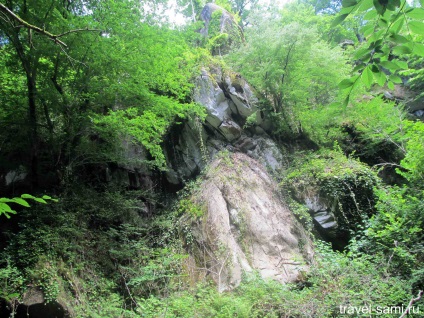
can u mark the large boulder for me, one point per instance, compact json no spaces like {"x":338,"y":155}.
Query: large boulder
{"x":226,"y":96}
{"x":245,"y":225}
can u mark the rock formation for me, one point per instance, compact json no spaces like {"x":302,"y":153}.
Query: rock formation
{"x":246,"y":226}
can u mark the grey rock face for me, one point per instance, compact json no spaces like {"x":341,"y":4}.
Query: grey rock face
{"x":246,"y":227}
{"x":323,"y":216}
{"x":185,"y":157}
{"x":268,"y":153}
{"x":15,"y":175}
{"x":229,"y":101}
{"x":226,"y":21}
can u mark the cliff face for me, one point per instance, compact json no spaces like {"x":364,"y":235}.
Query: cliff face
{"x":245,"y":225}
{"x":229,"y":101}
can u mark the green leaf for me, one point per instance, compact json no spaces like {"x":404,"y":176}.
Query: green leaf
{"x":416,"y":13}
{"x":27,"y":196}
{"x":365,"y":5}
{"x":392,"y":4}
{"x":5,"y":208}
{"x":401,"y":49}
{"x":21,"y":202}
{"x":399,"y":39}
{"x":416,"y":27}
{"x":367,"y":77}
{"x":370,"y":15}
{"x":348,"y":3}
{"x":40,"y":200}
{"x":346,"y":100}
{"x":390,"y":85}
{"x":389,"y":65}
{"x":46,"y":197}
{"x":376,"y":37}
{"x":346,"y":83}
{"x":395,"y":79}
{"x":358,"y":67}
{"x":402,"y":65}
{"x":367,"y":30}
{"x":418,"y":49}
{"x":361,"y":53}
{"x":380,"y":77}
{"x":380,"y":8}
{"x":339,"y":19}
{"x":396,"y":26}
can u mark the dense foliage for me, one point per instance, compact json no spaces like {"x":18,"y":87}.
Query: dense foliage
{"x":85,"y":83}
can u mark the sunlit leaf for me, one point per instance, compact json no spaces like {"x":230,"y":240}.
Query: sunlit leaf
{"x":399,"y":39}
{"x":402,"y":49}
{"x":367,"y":77}
{"x":402,"y":64}
{"x":21,"y":202}
{"x":361,"y":52}
{"x":5,"y":208}
{"x":339,"y":19}
{"x":397,"y":25}
{"x":390,"y":65}
{"x":416,"y":13}
{"x":346,"y":83}
{"x":380,"y":77}
{"x":370,"y":15}
{"x":348,"y":3}
{"x":380,"y":8}
{"x":365,"y":5}
{"x":416,"y":27}
{"x":367,"y":30}
{"x":418,"y":49}
{"x":395,"y":79}
{"x":27,"y":196}
{"x":40,"y":200}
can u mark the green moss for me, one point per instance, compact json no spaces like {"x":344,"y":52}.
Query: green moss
{"x":345,"y":184}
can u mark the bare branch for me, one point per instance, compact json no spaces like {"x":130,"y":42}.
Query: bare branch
{"x":30,"y":26}
{"x":22,"y":23}
{"x":413,"y":300}
{"x":77,"y":30}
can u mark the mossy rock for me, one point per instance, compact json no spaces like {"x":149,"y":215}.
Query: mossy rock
{"x":344,"y":187}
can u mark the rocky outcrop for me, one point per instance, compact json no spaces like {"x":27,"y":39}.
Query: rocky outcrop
{"x":339,"y":193}
{"x":245,"y":225}
{"x":226,"y":20}
{"x":229,"y":101}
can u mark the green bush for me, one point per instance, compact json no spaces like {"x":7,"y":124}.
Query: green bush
{"x":335,"y":280}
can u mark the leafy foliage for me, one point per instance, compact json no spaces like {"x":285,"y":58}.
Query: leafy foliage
{"x":281,"y":62}
{"x":6,"y":210}
{"x":117,"y":78}
{"x":336,"y":280}
{"x":344,"y":184}
{"x":392,"y":30}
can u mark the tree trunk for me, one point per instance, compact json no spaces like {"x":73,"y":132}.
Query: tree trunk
{"x":33,"y":133}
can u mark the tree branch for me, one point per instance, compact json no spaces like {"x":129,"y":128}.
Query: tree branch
{"x":77,"y":30}
{"x":23,"y":23}
{"x":413,"y":300}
